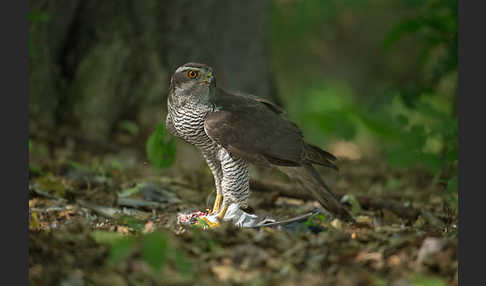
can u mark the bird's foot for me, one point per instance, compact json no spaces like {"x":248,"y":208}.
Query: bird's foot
{"x":208,"y":223}
{"x":213,"y":220}
{"x":217,"y":204}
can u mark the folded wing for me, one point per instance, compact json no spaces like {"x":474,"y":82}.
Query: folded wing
{"x":256,"y":130}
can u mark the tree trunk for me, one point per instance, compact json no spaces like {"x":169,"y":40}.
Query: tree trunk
{"x":95,"y":63}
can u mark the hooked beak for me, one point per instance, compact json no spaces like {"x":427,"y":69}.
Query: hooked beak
{"x":208,"y":78}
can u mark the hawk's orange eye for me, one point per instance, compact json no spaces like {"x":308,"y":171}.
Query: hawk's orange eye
{"x":192,"y":74}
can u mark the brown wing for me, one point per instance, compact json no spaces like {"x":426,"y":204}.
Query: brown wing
{"x":253,"y":130}
{"x":256,"y":130}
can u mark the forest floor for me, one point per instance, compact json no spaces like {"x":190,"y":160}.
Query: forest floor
{"x":92,"y":223}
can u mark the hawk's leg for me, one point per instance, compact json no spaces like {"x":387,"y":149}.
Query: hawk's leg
{"x":231,"y":176}
{"x":235,"y":182}
{"x":215,"y":167}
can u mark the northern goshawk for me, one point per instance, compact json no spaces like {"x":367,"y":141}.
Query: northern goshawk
{"x":233,"y":130}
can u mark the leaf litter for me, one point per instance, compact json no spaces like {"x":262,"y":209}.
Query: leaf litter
{"x":113,"y":228}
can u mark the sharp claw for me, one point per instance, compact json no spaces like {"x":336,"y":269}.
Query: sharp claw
{"x":209,"y":223}
{"x":222,"y":213}
{"x":217,"y":204}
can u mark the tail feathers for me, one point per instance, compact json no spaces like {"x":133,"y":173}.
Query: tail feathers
{"x":316,"y":155}
{"x":311,"y":181}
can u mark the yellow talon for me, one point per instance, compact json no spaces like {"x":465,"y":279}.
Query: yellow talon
{"x":217,"y":204}
{"x":210,"y":223}
{"x":223,"y":212}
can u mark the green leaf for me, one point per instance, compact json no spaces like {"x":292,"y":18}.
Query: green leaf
{"x":132,"y":222}
{"x":415,"y":139}
{"x":333,"y":122}
{"x":402,"y":121}
{"x":421,"y":280}
{"x":121,"y":249}
{"x":322,"y":218}
{"x":405,"y":27}
{"x":379,"y":125}
{"x":431,"y":162}
{"x":160,"y":150}
{"x":202,"y":222}
{"x":452,"y":155}
{"x":182,"y":263}
{"x":403,"y":157}
{"x":154,"y":249}
{"x":107,"y":237}
{"x":452,"y":185}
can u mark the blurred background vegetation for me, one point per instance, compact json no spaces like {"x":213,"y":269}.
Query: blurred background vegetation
{"x":379,"y":74}
{"x":362,"y":78}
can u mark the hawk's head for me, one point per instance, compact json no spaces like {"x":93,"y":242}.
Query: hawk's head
{"x":193,"y":82}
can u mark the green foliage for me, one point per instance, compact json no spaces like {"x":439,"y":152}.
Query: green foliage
{"x":328,"y":108}
{"x":202,"y":223}
{"x":314,"y":221}
{"x":415,"y":122}
{"x":182,"y":263}
{"x":121,"y":248}
{"x":161,"y":149}
{"x":421,"y":280}
{"x":154,"y":249}
{"x":452,"y":198}
{"x":52,"y":184}
{"x":434,"y":29}
{"x":431,"y":141}
{"x":131,"y":222}
{"x":452,"y":185}
{"x":334,"y":122}
{"x":106,"y":237}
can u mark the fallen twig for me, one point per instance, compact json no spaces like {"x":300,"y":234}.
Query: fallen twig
{"x":107,"y":212}
{"x":34,"y":188}
{"x":397,"y":208}
{"x":140,"y":203}
{"x":291,"y":191}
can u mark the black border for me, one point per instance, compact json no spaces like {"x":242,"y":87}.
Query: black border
{"x":14,"y":117}
{"x":471,"y":49}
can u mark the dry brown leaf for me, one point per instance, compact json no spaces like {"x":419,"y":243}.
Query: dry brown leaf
{"x":336,"y":223}
{"x":149,"y":227}
{"x":123,"y":229}
{"x":375,"y":258}
{"x":222,"y":272}
{"x":364,"y":219}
